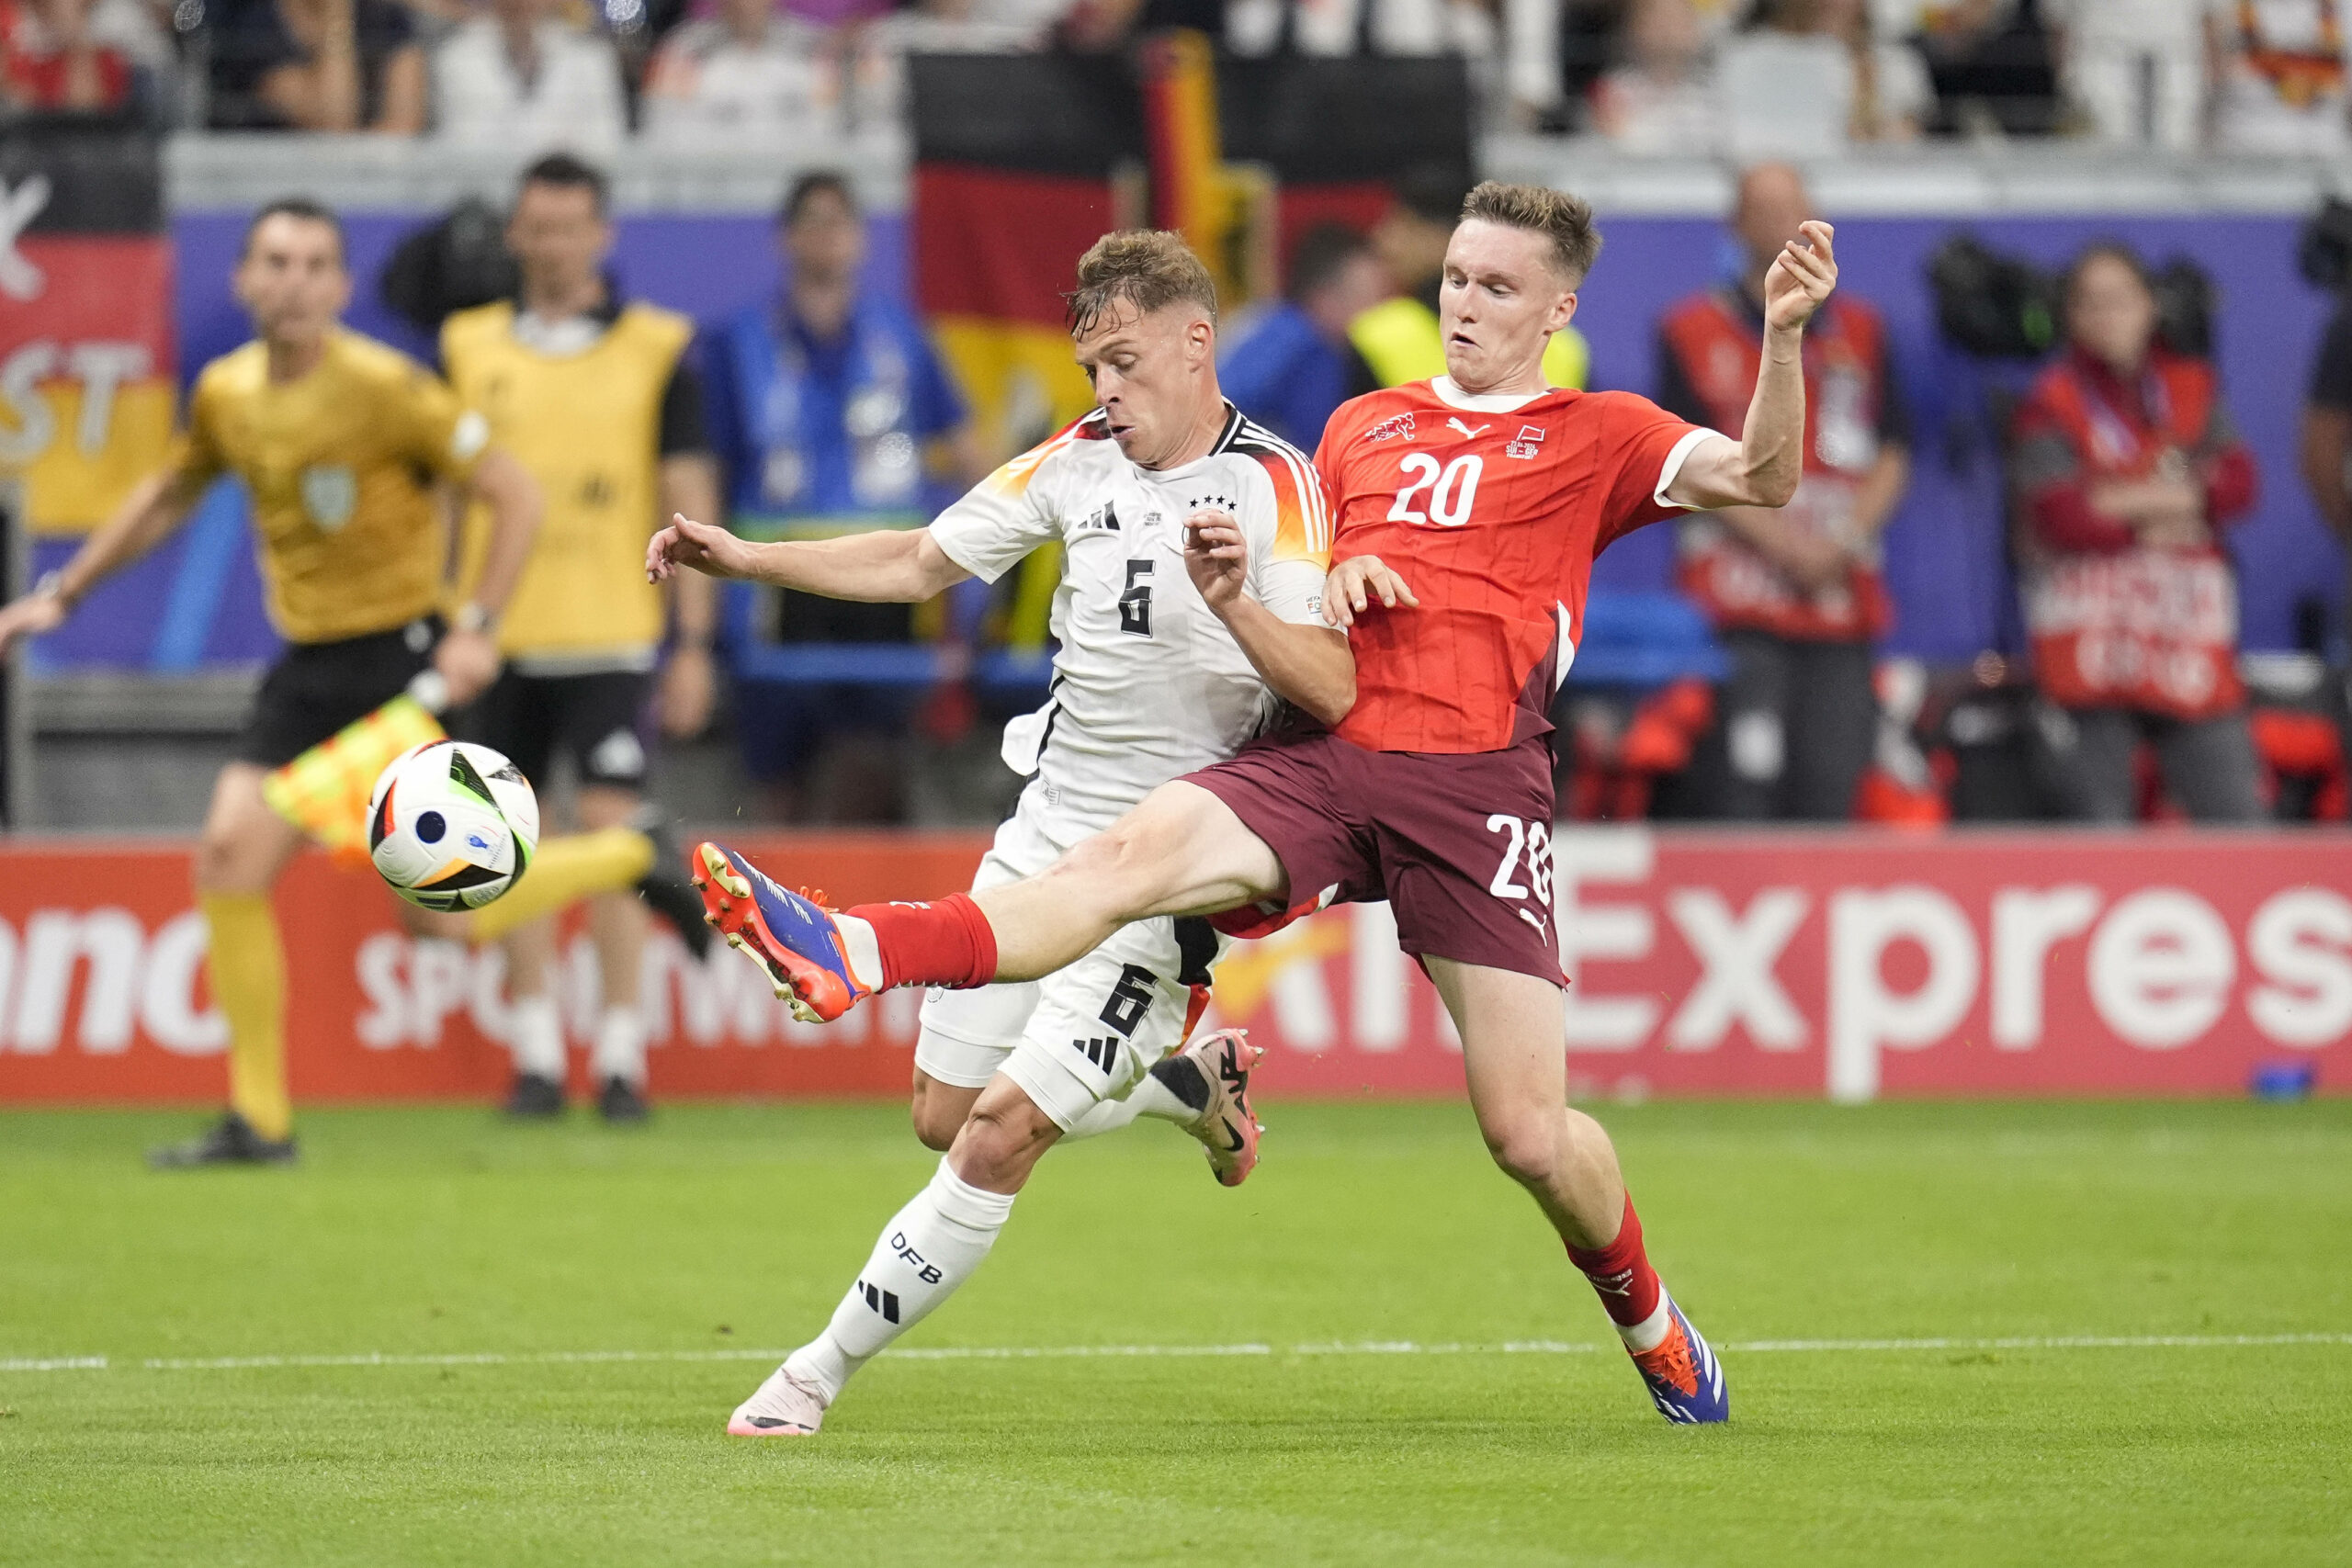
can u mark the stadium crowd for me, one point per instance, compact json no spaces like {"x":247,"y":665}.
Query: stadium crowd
{"x":1745,"y":78}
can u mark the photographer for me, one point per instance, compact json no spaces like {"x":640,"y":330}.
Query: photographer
{"x":2123,"y":466}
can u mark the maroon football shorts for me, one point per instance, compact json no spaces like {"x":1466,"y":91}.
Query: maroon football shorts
{"x":1459,"y":844}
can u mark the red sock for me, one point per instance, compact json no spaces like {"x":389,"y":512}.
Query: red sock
{"x":1621,"y":1272}
{"x":945,"y":943}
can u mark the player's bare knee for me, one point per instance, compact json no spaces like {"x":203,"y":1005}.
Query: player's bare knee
{"x":936,"y":1119}
{"x":1000,"y":1141}
{"x":1115,"y":873}
{"x":1529,"y":1147}
{"x":231,"y":860}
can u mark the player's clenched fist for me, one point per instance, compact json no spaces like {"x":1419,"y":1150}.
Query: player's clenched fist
{"x":710,"y":551}
{"x":1216,"y":556}
{"x":1355,"y":582}
{"x":1801,"y":278}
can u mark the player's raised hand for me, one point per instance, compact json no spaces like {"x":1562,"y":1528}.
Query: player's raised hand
{"x":1801,"y":277}
{"x":1216,"y":556}
{"x":1355,"y":583}
{"x":711,"y":550}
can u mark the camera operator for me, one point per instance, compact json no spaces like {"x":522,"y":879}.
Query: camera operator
{"x":2124,"y":466}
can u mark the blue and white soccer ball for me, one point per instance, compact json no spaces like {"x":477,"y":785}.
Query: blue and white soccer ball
{"x":452,"y":824}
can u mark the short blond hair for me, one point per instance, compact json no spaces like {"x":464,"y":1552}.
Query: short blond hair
{"x":1563,"y":220}
{"x":1149,"y":269}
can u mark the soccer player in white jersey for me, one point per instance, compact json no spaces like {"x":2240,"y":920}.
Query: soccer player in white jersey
{"x":1196,"y":549}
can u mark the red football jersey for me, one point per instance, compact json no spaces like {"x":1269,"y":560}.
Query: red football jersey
{"x":1492,"y":515}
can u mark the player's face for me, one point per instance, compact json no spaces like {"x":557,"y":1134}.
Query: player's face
{"x":291,"y":279}
{"x":557,"y":236}
{"x":1499,"y":303}
{"x":1146,"y":372}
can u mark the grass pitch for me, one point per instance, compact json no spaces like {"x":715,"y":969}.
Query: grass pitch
{"x":725,"y":1233}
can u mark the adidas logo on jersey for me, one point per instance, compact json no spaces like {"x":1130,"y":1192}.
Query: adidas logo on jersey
{"x":1528,"y":443}
{"x":1390,"y":428}
{"x":1105,"y":517}
{"x":1101,"y":1053}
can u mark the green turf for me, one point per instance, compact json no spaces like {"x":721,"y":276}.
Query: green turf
{"x":735,"y":1228}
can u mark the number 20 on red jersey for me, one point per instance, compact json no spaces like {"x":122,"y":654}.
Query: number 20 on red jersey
{"x":1435,"y":494}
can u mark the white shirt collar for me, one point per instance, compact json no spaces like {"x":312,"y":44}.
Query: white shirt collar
{"x":1483,"y":403}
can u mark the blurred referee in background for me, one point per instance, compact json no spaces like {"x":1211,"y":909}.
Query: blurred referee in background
{"x":594,"y":397}
{"x":341,"y":442}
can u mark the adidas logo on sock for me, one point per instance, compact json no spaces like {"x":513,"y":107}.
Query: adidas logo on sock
{"x":883,"y":1302}
{"x":1101,"y":1053}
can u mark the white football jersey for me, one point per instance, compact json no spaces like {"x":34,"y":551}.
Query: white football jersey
{"x":1149,"y":685}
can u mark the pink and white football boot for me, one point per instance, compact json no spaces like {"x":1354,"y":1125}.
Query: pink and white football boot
{"x":783,"y":1406}
{"x":1228,"y":1128}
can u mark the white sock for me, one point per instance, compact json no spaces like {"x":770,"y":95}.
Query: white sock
{"x":1650,"y":1333}
{"x":930,"y":1248}
{"x":863,"y":948}
{"x":1149,"y":1098}
{"x":619,"y":1051}
{"x":538,"y":1037}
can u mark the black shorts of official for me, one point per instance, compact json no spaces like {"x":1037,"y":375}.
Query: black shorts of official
{"x":596,"y":720}
{"x":316,"y":688}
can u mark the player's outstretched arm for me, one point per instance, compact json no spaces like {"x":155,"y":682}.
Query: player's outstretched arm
{"x":145,"y":519}
{"x":1762,"y":468}
{"x":1307,"y":666}
{"x":883,"y":566}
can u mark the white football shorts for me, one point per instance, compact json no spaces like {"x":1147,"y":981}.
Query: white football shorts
{"x":1082,"y":1034}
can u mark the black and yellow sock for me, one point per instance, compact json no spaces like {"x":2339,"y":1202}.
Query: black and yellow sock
{"x":565,"y":871}
{"x":248,"y":963}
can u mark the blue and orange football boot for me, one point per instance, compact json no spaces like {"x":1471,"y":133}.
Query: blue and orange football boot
{"x":1685,"y":1381}
{"x":795,"y":939}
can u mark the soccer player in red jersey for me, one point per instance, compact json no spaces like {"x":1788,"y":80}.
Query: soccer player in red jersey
{"x":1470,"y":509}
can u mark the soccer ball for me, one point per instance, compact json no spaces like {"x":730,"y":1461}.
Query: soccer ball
{"x":451,"y":824}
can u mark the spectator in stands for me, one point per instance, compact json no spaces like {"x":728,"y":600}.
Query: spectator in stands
{"x":1339,"y":28}
{"x":517,"y":78}
{"x":2278,"y":78}
{"x":830,"y":403}
{"x":1794,"y":594}
{"x":2327,"y":471}
{"x":2124,"y":467}
{"x":1988,"y":62}
{"x":1398,"y":338}
{"x":1809,"y":77}
{"x":747,"y":76}
{"x":2134,"y":69}
{"x":52,"y":58}
{"x":1663,"y":98}
{"x":330,"y":65}
{"x":1295,"y":364}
